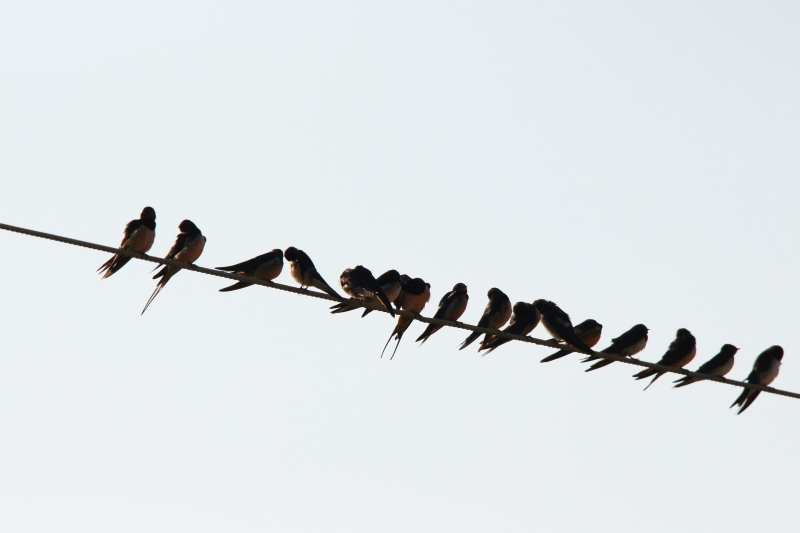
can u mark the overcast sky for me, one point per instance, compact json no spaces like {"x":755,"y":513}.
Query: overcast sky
{"x":631,"y":161}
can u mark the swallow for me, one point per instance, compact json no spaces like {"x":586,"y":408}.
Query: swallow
{"x":628,"y":344}
{"x":524,"y":319}
{"x":719,"y":365}
{"x":187,"y":248}
{"x":680,"y":353}
{"x":266,"y":266}
{"x":451,"y":307}
{"x":558,"y":324}
{"x":305,"y":273}
{"x":138,"y":237}
{"x":360,"y":284}
{"x":398,"y":301}
{"x":764,"y":372}
{"x":588,"y":331}
{"x":496,"y":314}
{"x":417,"y":293}
{"x":389,"y":281}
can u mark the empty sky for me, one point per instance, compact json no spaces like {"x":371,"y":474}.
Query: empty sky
{"x":632,"y":162}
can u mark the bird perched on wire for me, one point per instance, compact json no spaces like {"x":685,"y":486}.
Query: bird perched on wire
{"x":588,"y":331}
{"x":187,"y":248}
{"x":628,"y":344}
{"x":719,"y":365}
{"x":416,"y":293}
{"x":360,"y":284}
{"x":558,"y":324}
{"x":138,"y":237}
{"x":266,"y":266}
{"x":451,"y":307}
{"x":764,"y":372}
{"x":524,"y":319}
{"x":680,"y":353}
{"x":495,"y":315}
{"x":389,"y":281}
{"x":304,"y":272}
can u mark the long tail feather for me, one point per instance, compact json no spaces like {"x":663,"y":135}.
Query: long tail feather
{"x":742,"y":397}
{"x":430,"y":330}
{"x":320,"y":284}
{"x":396,"y":346}
{"x":469,"y":340}
{"x":685,"y":380}
{"x":749,"y":401}
{"x":387,"y":344}
{"x":658,"y":375}
{"x":599,"y":364}
{"x":236,"y":286}
{"x":559,"y":354}
{"x":341,"y":308}
{"x":152,"y":297}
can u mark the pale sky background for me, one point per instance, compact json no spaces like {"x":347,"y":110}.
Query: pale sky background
{"x":632,"y":162}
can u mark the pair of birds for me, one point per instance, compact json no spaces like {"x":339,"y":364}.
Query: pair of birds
{"x":412,"y":294}
{"x":139,"y":236}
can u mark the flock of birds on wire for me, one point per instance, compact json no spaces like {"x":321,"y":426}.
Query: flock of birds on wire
{"x":411,"y":294}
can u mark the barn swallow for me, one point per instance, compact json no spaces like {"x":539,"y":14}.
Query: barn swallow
{"x":187,"y":248}
{"x":389,"y":281}
{"x":628,"y":344}
{"x":588,"y":331}
{"x":496,"y":314}
{"x":304,"y":272}
{"x":360,"y":284}
{"x":680,"y":353}
{"x":558,"y":324}
{"x":719,"y":365}
{"x":451,"y":307}
{"x":417,"y":294}
{"x":524,"y":319}
{"x":138,"y":237}
{"x":764,"y":372}
{"x":267,"y":266}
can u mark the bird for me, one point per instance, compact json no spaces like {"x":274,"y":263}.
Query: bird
{"x":558,"y":324}
{"x":188,"y":246}
{"x":389,"y":281}
{"x":719,"y":365}
{"x":451,"y":307}
{"x":138,"y":237}
{"x":680,"y":353}
{"x":304,"y":272}
{"x":360,"y":284}
{"x":588,"y":331}
{"x":417,"y":293}
{"x":496,"y":314}
{"x":628,"y":344}
{"x":524,"y":319}
{"x":764,"y":372}
{"x":266,"y":266}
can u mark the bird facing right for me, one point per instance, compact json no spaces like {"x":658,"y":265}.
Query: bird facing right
{"x":680,"y":353}
{"x":764,"y":372}
{"x":719,"y":365}
{"x":138,"y":237}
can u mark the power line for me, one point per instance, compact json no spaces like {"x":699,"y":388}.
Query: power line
{"x":378,"y":307}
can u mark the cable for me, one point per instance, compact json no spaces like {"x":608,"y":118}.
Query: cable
{"x":378,"y":307}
